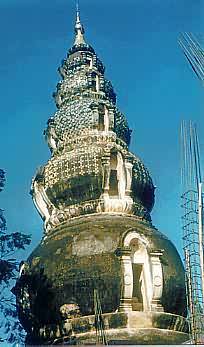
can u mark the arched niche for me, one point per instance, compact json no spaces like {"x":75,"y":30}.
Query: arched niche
{"x":142,"y":274}
{"x":117,"y":178}
{"x":141,"y":271}
{"x":117,"y":181}
{"x":103,"y":118}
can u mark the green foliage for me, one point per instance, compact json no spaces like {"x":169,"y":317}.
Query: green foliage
{"x":10,"y":329}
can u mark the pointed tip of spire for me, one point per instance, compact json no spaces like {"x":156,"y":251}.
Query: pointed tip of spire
{"x":77,"y":6}
{"x":79,"y":30}
{"x":77,"y":12}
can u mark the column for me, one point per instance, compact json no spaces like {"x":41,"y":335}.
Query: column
{"x":127,"y":279}
{"x":106,"y":172}
{"x":95,"y":115}
{"x":106,"y":118}
{"x":128,"y":168}
{"x":111,"y":118}
{"x":157,"y":280}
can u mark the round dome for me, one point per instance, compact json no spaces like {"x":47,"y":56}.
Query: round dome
{"x":78,"y":116}
{"x":83,"y":255}
{"x":75,"y":179}
{"x":142,"y":186}
{"x":81,"y":47}
{"x":73,"y":118}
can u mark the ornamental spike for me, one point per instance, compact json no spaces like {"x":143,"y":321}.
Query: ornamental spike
{"x":77,"y":11}
{"x":79,"y":30}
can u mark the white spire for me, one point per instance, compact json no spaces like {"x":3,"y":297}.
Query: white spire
{"x":79,"y":30}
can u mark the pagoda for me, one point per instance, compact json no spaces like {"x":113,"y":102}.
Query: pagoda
{"x":99,"y":249}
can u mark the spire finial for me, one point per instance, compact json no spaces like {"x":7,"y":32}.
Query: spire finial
{"x":79,"y":30}
{"x":77,"y":6}
{"x":77,"y":11}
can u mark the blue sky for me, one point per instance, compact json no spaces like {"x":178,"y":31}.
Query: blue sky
{"x":137,"y":41}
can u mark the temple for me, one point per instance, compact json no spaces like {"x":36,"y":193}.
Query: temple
{"x":100,"y":255}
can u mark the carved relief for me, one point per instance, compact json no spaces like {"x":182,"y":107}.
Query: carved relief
{"x":41,"y":201}
{"x":51,"y":137}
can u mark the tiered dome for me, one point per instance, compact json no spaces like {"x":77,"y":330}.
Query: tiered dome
{"x":95,"y":198}
{"x":91,"y":169}
{"x":83,"y":93}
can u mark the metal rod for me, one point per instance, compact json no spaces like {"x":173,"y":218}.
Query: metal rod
{"x":193,"y":52}
{"x":192,"y":225}
{"x":200,"y":209}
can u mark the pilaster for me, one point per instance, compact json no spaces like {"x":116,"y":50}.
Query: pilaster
{"x":157,"y":280}
{"x":128,"y":168}
{"x":127,"y":279}
{"x":111,"y":118}
{"x":106,"y":172}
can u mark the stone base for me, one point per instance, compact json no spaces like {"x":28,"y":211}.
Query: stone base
{"x":138,"y":336}
{"x":145,"y":328}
